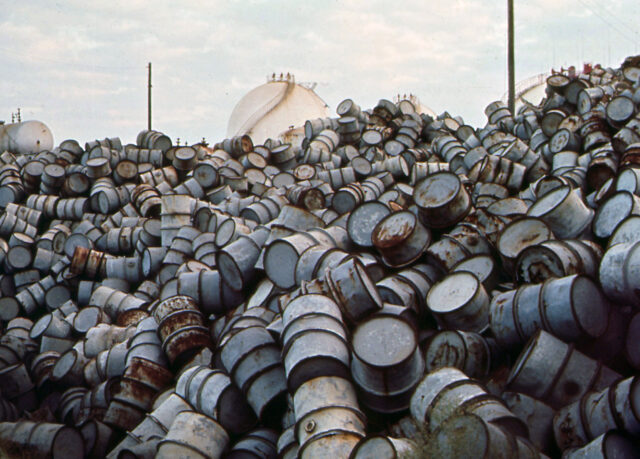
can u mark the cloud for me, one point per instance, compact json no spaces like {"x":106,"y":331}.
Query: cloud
{"x":81,"y":67}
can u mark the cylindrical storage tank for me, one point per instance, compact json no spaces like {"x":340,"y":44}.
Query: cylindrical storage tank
{"x":387,"y":363}
{"x":571,"y":308}
{"x":553,"y":371}
{"x":618,"y":273}
{"x":519,"y":235}
{"x":214,"y":394}
{"x":459,"y":301}
{"x":446,"y":392}
{"x":193,"y":434}
{"x":253,"y":359}
{"x":329,"y":422}
{"x":281,"y":256}
{"x":564,"y":211}
{"x":353,"y":289}
{"x":558,"y":258}
{"x":176,"y":212}
{"x":314,"y":343}
{"x":26,"y":137}
{"x":400,"y":238}
{"x":181,"y":327}
{"x":442,"y":200}
{"x":468,"y":351}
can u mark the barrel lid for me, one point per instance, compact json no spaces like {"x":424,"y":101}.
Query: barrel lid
{"x":21,"y":239}
{"x":384,"y":341}
{"x":304,"y":171}
{"x":394,"y":229}
{"x":34,"y":168}
{"x":361,"y":165}
{"x":363,"y":219}
{"x":377,"y":446}
{"x":393,"y":147}
{"x":86,"y":318}
{"x":620,"y":109}
{"x":372,"y":137}
{"x":626,"y":231}
{"x":627,"y":180}
{"x":256,"y":160}
{"x":436,"y":190}
{"x":558,"y":81}
{"x":56,"y":296}
{"x":310,"y":304}
{"x":255,"y":175}
{"x":481,"y":265}
{"x":345,"y":107}
{"x":145,"y":167}
{"x":444,"y":349}
{"x":612,"y":212}
{"x":9,"y":308}
{"x":560,"y":140}
{"x":261,"y":293}
{"x":573,"y":89}
{"x":225,"y":232}
{"x":615,"y":443}
{"x":508,"y":207}
{"x":19,"y":257}
{"x":345,"y":200}
{"x":229,"y":270}
{"x":593,"y":320}
{"x":184,"y":154}
{"x":77,"y":182}
{"x":283,"y":179}
{"x":76,"y":240}
{"x":54,"y":171}
{"x":452,"y":292}
{"x":280,"y":148}
{"x":550,"y":121}
{"x":64,"y":364}
{"x":8,"y":194}
{"x":153,"y":227}
{"x":520,"y":234}
{"x":631,"y":73}
{"x":97,"y":162}
{"x":206,"y":173}
{"x":549,"y":201}
{"x":127,"y":169}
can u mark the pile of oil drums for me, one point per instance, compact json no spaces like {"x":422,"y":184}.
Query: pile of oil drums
{"x":392,"y":286}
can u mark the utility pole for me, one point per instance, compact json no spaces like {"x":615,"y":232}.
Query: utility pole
{"x":511,"y":61}
{"x":149,"y":99}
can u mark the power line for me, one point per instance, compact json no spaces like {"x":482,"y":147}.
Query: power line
{"x":608,"y":12}
{"x":37,"y":59}
{"x":603,"y":19}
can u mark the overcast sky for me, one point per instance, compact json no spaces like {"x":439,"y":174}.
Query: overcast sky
{"x":80,"y":66}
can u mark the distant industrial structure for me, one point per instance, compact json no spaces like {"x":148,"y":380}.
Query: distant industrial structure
{"x":275,"y":108}
{"x":25,"y":137}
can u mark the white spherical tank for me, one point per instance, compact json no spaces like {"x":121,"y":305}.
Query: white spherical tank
{"x":274,"y":108}
{"x":25,"y":137}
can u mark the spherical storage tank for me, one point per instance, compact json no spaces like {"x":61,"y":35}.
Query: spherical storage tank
{"x":274,"y":108}
{"x":25,"y":137}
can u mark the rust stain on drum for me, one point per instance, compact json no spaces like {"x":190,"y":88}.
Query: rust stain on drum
{"x":390,"y":237}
